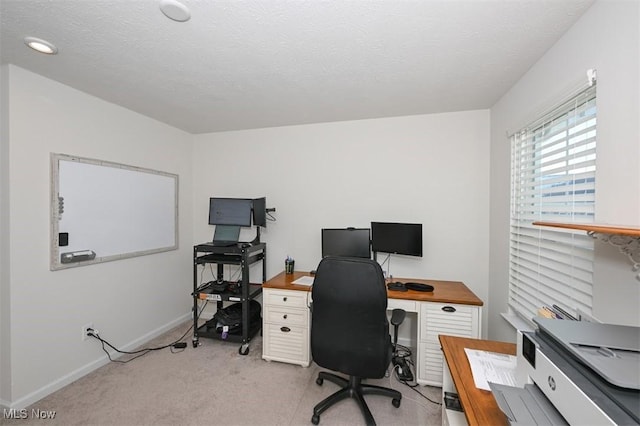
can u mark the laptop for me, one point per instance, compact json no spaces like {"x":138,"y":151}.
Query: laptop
{"x":226,"y":235}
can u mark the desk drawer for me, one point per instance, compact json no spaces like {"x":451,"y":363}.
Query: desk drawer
{"x":450,"y":319}
{"x":286,"y":344}
{"x":285,"y":298}
{"x":407,"y":305}
{"x":286,"y":315}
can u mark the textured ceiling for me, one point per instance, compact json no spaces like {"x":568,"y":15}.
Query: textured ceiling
{"x":263,"y":63}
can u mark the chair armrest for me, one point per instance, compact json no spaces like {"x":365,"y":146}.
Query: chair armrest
{"x":397,"y":316}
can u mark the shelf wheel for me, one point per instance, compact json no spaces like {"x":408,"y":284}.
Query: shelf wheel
{"x":244,"y":349}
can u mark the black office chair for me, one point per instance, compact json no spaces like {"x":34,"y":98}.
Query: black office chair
{"x":350,"y":330}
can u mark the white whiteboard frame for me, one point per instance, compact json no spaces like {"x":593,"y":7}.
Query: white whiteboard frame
{"x":56,"y":250}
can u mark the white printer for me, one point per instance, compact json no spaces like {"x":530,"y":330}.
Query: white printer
{"x":575,"y":372}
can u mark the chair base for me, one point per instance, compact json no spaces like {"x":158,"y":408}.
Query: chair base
{"x":352,"y":388}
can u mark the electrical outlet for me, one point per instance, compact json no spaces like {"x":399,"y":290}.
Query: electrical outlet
{"x":85,"y":329}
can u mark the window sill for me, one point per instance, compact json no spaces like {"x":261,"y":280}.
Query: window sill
{"x":625,"y":238}
{"x":516,"y":322}
{"x":632,"y":231}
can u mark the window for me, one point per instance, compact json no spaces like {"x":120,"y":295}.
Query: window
{"x":553,"y":172}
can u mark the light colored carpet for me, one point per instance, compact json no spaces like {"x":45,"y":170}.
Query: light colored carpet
{"x":214,"y":385}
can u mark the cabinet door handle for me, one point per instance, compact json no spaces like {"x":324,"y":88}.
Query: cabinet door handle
{"x":284,"y":299}
{"x":285,"y":329}
{"x":284,"y":316}
{"x":448,"y":309}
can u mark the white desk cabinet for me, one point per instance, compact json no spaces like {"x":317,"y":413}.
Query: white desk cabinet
{"x":451,"y":309}
{"x":286,"y":326}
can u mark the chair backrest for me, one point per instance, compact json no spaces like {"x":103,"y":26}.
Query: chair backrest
{"x":349,"y":326}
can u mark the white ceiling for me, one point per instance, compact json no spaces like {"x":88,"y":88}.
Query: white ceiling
{"x":263,"y":63}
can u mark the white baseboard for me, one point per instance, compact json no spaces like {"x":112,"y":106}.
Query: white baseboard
{"x":90,"y":367}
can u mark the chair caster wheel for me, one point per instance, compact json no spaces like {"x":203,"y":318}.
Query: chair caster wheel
{"x":315,"y":419}
{"x":319,"y":381}
{"x":395,"y":402}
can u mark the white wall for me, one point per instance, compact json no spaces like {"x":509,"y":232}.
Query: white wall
{"x":5,"y":364}
{"x":447,"y":171}
{"x":430,"y":169}
{"x":606,"y":38}
{"x":129,"y":300}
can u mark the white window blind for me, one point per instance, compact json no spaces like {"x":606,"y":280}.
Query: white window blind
{"x":553,"y":172}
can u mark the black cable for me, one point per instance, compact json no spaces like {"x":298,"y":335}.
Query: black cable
{"x":386,"y":260}
{"x":204,"y":285}
{"x":423,"y":395}
{"x":405,"y":353}
{"x":102,"y":341}
{"x":143,"y":351}
{"x":414,"y":387}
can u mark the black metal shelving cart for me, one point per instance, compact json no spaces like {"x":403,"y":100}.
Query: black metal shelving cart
{"x":244,"y":292}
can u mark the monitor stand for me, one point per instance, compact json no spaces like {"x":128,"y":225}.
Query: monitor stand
{"x":256,"y":240}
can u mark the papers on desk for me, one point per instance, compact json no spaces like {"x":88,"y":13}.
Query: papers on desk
{"x":491,"y":367}
{"x":305,"y":280}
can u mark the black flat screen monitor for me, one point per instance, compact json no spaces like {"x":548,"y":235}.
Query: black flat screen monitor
{"x":347,"y":242}
{"x":397,"y":238}
{"x":260,"y":212}
{"x":230,"y":211}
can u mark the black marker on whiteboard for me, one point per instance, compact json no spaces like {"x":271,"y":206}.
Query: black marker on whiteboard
{"x":77,"y":256}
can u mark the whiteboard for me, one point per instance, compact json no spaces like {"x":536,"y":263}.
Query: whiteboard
{"x":113,"y":210}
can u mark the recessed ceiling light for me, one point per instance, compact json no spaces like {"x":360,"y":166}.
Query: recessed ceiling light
{"x":42,"y":46}
{"x":175,"y":10}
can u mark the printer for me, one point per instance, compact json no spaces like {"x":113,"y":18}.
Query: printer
{"x":574,"y":372}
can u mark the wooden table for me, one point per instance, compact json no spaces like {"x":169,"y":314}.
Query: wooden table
{"x":480,"y":407}
{"x":450,"y":308}
{"x":443,"y":291}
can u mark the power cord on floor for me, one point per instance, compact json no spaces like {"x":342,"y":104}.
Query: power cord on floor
{"x":403,"y":361}
{"x":176,"y":346}
{"x":138,"y":353}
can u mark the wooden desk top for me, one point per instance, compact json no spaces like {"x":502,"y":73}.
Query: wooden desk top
{"x":480,"y":407}
{"x":443,"y":291}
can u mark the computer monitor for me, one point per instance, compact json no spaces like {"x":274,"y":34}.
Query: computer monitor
{"x":260,"y":212}
{"x":397,"y":238}
{"x":347,"y":242}
{"x":230,"y":211}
